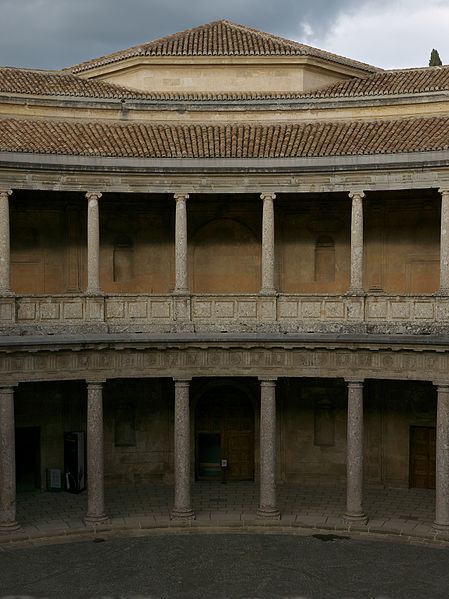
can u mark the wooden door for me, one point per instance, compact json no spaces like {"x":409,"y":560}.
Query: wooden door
{"x":422,"y":457}
{"x":226,"y":415}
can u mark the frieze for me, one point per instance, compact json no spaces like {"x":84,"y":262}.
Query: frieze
{"x":282,"y":361}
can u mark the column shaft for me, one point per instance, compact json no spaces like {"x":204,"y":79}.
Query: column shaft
{"x":268,"y":286}
{"x":93,"y":244}
{"x":444,"y":243}
{"x":181,"y":285}
{"x":442,"y":461}
{"x":95,"y":454}
{"x":7,"y":462}
{"x":356,"y":283}
{"x":5,"y":259}
{"x":182,"y":508}
{"x":354,"y":462}
{"x":268,"y":505}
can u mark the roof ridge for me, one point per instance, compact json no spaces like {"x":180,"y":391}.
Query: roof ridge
{"x":187,"y":43}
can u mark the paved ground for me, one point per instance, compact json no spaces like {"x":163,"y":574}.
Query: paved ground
{"x":227,"y":566}
{"x":400,"y":511}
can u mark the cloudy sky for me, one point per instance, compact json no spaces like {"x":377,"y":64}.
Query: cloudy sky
{"x":386,"y":33}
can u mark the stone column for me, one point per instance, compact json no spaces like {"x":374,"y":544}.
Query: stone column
{"x":182,"y":508}
{"x":268,"y":286}
{"x":442,"y":461}
{"x":444,"y":243}
{"x":7,"y":462}
{"x":95,"y":451}
{"x":5,"y":260}
{"x":356,"y":283}
{"x":354,"y":461}
{"x":93,"y":243}
{"x":267,"y":504}
{"x":181,"y":286}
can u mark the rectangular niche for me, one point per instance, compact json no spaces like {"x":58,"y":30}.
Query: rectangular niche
{"x":324,"y":423}
{"x":124,"y":425}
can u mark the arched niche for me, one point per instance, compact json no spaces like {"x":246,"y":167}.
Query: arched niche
{"x":225,"y":258}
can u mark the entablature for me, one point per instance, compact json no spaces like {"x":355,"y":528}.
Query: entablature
{"x":49,"y":172}
{"x":27,"y":362}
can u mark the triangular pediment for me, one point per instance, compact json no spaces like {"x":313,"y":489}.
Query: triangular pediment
{"x":222,"y":56}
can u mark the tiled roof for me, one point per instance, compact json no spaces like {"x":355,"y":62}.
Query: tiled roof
{"x":386,"y":83}
{"x":406,"y":81}
{"x":23,"y":81}
{"x":221,"y":38}
{"x":102,"y":138}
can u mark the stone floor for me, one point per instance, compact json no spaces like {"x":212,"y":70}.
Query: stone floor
{"x":407,"y":512}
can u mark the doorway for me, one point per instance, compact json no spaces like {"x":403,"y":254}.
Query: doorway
{"x":28,"y":458}
{"x":422,"y":457}
{"x":224,"y":430}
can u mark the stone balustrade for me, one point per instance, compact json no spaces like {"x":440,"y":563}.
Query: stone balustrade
{"x":40,"y":314}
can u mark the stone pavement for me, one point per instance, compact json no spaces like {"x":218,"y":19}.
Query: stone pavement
{"x":405,"y":512}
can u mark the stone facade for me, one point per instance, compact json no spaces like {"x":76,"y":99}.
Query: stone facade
{"x":279,"y":307}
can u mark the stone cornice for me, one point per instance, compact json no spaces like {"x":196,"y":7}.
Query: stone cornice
{"x":420,"y":170}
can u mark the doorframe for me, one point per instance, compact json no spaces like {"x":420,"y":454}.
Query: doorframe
{"x":248,"y":386}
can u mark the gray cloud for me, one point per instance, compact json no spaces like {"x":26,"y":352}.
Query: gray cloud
{"x":58,"y":33}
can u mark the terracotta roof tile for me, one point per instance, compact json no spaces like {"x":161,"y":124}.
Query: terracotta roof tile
{"x":102,"y":138}
{"x":23,"y":81}
{"x":386,"y":83}
{"x":406,"y":81}
{"x":220,"y":38}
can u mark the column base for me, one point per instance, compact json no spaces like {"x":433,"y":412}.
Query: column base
{"x":7,"y":527}
{"x":440,"y":527}
{"x":182,"y":514}
{"x":268,"y":512}
{"x":355,"y":519}
{"x":270,"y":292}
{"x":442,"y":292}
{"x":93,"y":520}
{"x":356,"y":292}
{"x":94,"y":293}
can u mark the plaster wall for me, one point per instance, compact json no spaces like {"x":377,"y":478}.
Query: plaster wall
{"x":213,"y":78}
{"x":312,"y":243}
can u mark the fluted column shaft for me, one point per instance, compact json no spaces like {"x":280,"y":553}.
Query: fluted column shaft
{"x":7,"y":462}
{"x":354,"y":461}
{"x":182,"y":507}
{"x":181,"y":285}
{"x":268,"y":286}
{"x":444,"y":243}
{"x":356,"y":283}
{"x":95,"y":454}
{"x":442,"y":460}
{"x":268,"y":504}
{"x":93,"y":243}
{"x":5,"y":258}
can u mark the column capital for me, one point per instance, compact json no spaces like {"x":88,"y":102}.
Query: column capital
{"x":97,"y":383}
{"x":93,"y":195}
{"x":267,"y":196}
{"x":5,"y":389}
{"x":354,"y":382}
{"x":444,"y":191}
{"x":356,"y":195}
{"x":441,"y":386}
{"x":5,"y":192}
{"x":182,"y":382}
{"x":267,"y":381}
{"x":181,"y":197}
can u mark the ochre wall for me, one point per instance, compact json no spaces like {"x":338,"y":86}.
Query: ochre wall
{"x":312,"y":243}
